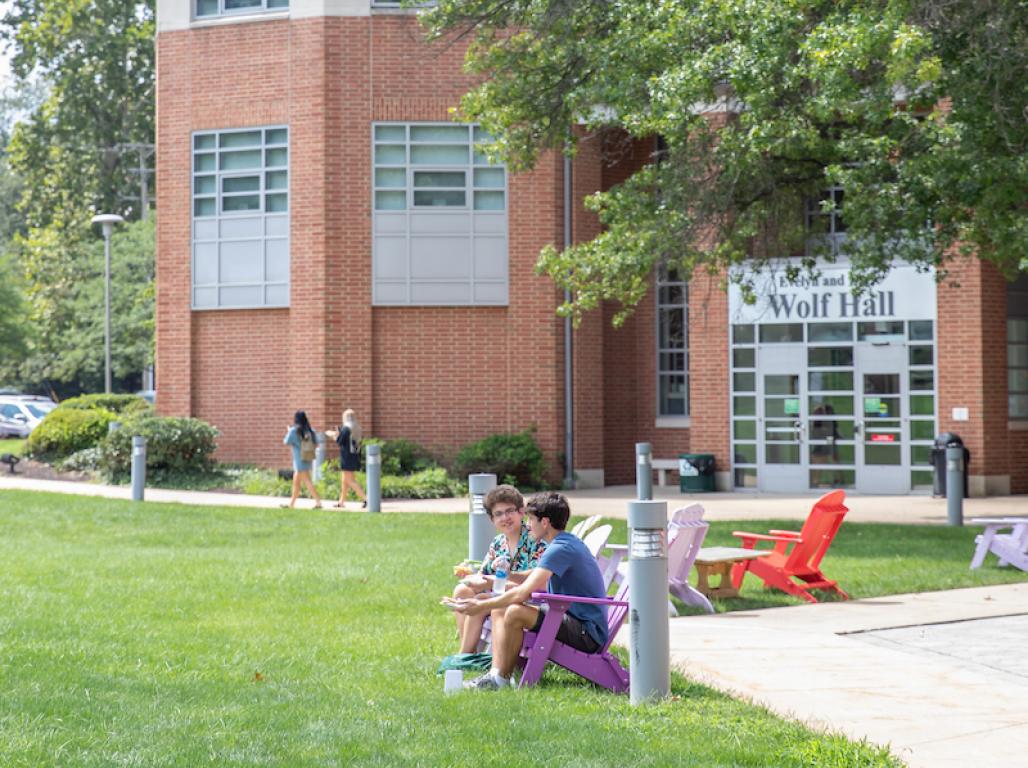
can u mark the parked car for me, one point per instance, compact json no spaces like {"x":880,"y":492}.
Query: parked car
{"x":20,"y":414}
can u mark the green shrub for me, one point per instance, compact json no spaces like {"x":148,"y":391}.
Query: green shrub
{"x":173,"y":446}
{"x":86,"y":460}
{"x":509,"y":457}
{"x":123,"y":405}
{"x":431,"y":483}
{"x":66,"y":430}
{"x":400,"y":457}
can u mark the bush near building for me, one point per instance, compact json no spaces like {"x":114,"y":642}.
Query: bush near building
{"x":174,"y":446}
{"x":515,"y":459}
{"x":65,"y":431}
{"x":123,"y":405}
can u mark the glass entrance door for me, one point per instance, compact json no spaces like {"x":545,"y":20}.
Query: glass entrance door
{"x":882,"y":422}
{"x":781,"y":422}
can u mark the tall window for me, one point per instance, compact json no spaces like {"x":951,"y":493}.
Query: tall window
{"x":826,"y":227}
{"x":241,"y":218}
{"x":207,"y":8}
{"x":1017,"y":348}
{"x":672,"y":345}
{"x":440,"y":216}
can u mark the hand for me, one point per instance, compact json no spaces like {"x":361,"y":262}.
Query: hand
{"x":471,"y":608}
{"x":479,"y":584}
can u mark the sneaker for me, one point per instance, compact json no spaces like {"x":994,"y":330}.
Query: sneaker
{"x":486,"y":683}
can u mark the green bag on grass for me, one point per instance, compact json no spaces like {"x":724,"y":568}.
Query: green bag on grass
{"x":466,"y":661}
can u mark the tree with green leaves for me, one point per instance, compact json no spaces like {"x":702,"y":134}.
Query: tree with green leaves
{"x":96,"y":60}
{"x":915,"y":110}
{"x":86,"y":74}
{"x":66,"y":347}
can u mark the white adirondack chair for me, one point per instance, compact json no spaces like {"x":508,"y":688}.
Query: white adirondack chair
{"x":1011,"y":548}
{"x":686,"y":532}
{"x":596,"y":539}
{"x":582,"y":527}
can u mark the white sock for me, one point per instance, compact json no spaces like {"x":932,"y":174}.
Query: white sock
{"x":500,"y":679}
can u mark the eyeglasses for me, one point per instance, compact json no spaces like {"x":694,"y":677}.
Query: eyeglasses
{"x":503,"y":512}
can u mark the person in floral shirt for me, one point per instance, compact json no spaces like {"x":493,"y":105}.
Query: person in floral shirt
{"x":506,"y":508}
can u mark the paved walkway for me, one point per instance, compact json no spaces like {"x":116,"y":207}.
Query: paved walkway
{"x":609,"y":502}
{"x":938,"y":676}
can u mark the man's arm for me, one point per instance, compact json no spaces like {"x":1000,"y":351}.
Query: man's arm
{"x":535,"y":581}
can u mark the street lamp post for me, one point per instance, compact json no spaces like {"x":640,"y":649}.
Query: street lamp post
{"x":107,"y":221}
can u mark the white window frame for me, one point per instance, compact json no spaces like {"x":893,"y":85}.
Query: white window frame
{"x":222,"y":11}
{"x":478,"y":273}
{"x":269,"y":230}
{"x":664,"y":280}
{"x":1012,"y":345}
{"x":835,"y":234}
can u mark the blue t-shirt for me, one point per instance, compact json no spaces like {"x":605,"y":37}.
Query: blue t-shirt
{"x":292,"y":439}
{"x":576,"y":573}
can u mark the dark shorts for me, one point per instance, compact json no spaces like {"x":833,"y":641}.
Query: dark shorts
{"x":571,"y":632}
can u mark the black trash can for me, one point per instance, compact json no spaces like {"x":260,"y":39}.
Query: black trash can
{"x":942,"y":442}
{"x":696,"y":472}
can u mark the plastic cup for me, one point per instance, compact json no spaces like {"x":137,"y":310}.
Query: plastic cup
{"x":453,"y":680}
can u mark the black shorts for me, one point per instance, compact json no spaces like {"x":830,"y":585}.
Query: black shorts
{"x":571,"y":632}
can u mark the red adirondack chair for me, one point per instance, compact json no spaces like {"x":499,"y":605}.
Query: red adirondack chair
{"x":793,"y":565}
{"x":601,"y":667}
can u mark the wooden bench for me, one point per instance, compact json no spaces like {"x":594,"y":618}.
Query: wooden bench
{"x":662,"y":466}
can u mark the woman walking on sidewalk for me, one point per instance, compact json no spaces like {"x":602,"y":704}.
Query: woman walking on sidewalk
{"x":303,"y":440}
{"x":348,"y":438}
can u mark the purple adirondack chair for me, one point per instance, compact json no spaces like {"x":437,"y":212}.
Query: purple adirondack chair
{"x":1011,"y":548}
{"x":601,"y":667}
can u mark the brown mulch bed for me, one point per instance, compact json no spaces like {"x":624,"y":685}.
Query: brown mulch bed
{"x":38,"y":470}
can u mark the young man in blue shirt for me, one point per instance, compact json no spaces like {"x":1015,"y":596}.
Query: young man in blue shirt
{"x":566,"y":568}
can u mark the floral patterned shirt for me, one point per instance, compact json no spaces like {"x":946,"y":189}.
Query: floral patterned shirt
{"x":525,"y":557}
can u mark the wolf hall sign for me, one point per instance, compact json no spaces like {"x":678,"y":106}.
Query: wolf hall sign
{"x":905,"y":294}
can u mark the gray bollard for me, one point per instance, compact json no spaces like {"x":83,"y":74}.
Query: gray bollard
{"x":643,"y":471}
{"x":480,"y":528}
{"x":113,"y":426}
{"x":319,"y":457}
{"x":649,"y":645}
{"x":373,"y":467}
{"x":138,"y":467}
{"x":955,"y":484}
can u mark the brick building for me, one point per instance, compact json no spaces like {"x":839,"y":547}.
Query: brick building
{"x":328,"y":239}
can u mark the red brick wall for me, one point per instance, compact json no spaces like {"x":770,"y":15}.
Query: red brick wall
{"x":971,"y":362}
{"x":629,"y":379}
{"x":587,"y":343}
{"x":443,"y":376}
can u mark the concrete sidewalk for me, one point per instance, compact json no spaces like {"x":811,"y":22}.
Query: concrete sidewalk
{"x":609,"y":502}
{"x":949,"y":689}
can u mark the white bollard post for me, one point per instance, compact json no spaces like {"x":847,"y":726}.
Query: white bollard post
{"x":319,"y":457}
{"x":373,"y":468}
{"x":138,"y":467}
{"x":650,"y":633}
{"x":643,"y":471}
{"x":480,"y":527}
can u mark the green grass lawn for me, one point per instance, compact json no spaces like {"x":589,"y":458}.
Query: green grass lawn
{"x":159,"y":635}
{"x":15,"y":445}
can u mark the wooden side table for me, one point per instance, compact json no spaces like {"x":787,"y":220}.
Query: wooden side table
{"x":718,"y":561}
